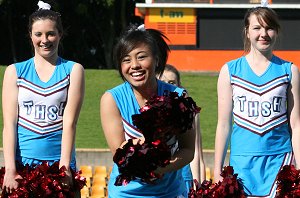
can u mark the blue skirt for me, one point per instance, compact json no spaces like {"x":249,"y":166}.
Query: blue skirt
{"x":31,"y":161}
{"x":258,"y":173}
{"x":170,"y":186}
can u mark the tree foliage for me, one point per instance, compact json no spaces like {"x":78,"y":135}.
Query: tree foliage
{"x":91,"y":29}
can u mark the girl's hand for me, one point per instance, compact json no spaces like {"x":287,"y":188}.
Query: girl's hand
{"x":10,"y":183}
{"x":217,"y":176}
{"x":159,"y":173}
{"x":134,"y":141}
{"x":67,"y":181}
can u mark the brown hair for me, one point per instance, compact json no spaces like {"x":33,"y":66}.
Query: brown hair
{"x":173,"y":69}
{"x":263,"y":14}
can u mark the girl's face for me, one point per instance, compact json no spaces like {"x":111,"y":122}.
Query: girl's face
{"x":169,"y":77}
{"x":45,"y":37}
{"x":138,"y":67}
{"x":261,"y":36}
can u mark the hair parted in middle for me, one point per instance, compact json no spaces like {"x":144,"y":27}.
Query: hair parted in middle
{"x":43,"y":14}
{"x":133,"y":37}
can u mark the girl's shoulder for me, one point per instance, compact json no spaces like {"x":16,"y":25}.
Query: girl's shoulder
{"x":24,"y":66}
{"x":237,"y":65}
{"x":236,"y":61}
{"x":279,"y":61}
{"x":66,"y":65}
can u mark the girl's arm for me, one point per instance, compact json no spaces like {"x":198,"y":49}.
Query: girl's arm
{"x":10,"y":117}
{"x":294,"y":113}
{"x":71,"y":114}
{"x":224,"y":121}
{"x":111,"y":122}
{"x":198,"y":165}
{"x":185,"y":154}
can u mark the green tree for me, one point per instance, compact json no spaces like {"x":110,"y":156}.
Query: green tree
{"x":91,"y":26}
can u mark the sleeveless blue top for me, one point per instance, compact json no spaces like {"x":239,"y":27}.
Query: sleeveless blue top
{"x":41,"y":107}
{"x":260,"y":108}
{"x":172,"y":184}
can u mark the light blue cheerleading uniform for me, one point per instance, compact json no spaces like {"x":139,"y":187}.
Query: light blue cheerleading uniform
{"x":187,"y":177}
{"x":172,"y":184}
{"x":260,"y":140}
{"x":41,"y":106}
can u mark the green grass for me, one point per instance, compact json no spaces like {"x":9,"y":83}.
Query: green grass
{"x":201,"y":87}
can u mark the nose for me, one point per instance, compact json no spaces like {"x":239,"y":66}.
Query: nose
{"x":135,"y":63}
{"x":44,"y":38}
{"x":264,"y":32}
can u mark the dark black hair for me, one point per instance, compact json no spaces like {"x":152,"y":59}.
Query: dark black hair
{"x":43,"y":14}
{"x":133,"y":37}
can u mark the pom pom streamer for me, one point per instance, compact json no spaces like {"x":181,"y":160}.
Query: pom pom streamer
{"x":288,"y":185}
{"x":165,"y":116}
{"x":160,"y":120}
{"x":43,"y":181}
{"x":288,"y":182}
{"x":140,"y":161}
{"x":230,"y":187}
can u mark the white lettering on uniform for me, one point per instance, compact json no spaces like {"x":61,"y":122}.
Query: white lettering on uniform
{"x":242,"y":101}
{"x":255,"y":108}
{"x":41,"y":111}
{"x":28,"y":105}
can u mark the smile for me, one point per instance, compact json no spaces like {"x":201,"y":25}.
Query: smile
{"x":46,"y":46}
{"x":136,"y":74}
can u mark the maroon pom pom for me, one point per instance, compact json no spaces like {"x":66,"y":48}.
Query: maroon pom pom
{"x":43,"y":180}
{"x":164,"y":116}
{"x":230,"y":187}
{"x":161,"y":119}
{"x":288,"y":182}
{"x":140,"y":161}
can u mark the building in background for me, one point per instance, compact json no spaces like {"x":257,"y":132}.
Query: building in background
{"x":204,"y":34}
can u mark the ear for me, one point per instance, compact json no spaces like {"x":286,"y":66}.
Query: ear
{"x":247,"y":33}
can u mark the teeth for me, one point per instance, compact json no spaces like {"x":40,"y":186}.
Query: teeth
{"x":45,"y":46}
{"x":136,"y":74}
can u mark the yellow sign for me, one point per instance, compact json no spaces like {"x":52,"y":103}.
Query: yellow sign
{"x":184,"y":15}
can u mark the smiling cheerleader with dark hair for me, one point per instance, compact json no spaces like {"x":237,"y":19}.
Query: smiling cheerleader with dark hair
{"x":140,"y":54}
